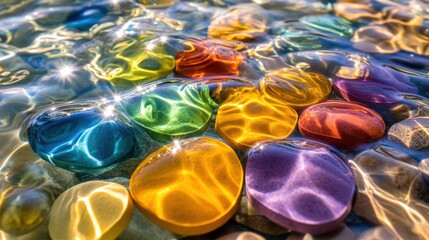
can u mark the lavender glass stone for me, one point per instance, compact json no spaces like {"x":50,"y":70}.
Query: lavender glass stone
{"x":300,"y":184}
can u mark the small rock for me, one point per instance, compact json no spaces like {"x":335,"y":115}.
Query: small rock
{"x":412,"y":132}
{"x":242,"y":236}
{"x":250,"y":217}
{"x":376,"y":233}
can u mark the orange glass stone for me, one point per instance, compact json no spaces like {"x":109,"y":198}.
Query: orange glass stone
{"x":190,"y":186}
{"x":207,"y":59}
{"x":295,"y":87}
{"x":342,"y":124}
{"x":245,"y":119}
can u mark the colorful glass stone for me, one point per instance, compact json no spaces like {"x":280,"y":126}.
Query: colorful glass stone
{"x":137,"y":60}
{"x":295,"y":87}
{"x":300,"y":184}
{"x":204,"y":58}
{"x":91,"y":210}
{"x":190,"y":186}
{"x":171,"y":110}
{"x":69,"y":137}
{"x":244,"y":22}
{"x":157,"y":3}
{"x":342,"y":124}
{"x":245,"y":119}
{"x":327,"y":23}
{"x":23,"y":209}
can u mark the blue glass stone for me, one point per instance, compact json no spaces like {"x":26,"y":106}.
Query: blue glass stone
{"x":81,"y":138}
{"x":84,"y":19}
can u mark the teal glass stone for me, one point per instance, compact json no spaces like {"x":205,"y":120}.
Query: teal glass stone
{"x":171,"y":110}
{"x":81,"y":138}
{"x":332,"y":24}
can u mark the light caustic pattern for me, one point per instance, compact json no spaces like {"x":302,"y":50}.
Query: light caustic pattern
{"x":91,"y":210}
{"x":406,"y":217}
{"x":245,"y":119}
{"x":171,"y":111}
{"x":244,"y":23}
{"x":189,"y":187}
{"x":295,"y":87}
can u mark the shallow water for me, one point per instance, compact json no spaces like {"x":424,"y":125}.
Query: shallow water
{"x":159,"y":71}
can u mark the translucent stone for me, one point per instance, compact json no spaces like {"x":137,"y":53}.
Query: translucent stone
{"x":69,"y":137}
{"x":190,"y":186}
{"x":295,"y":87}
{"x":91,"y":210}
{"x":169,"y":111}
{"x":342,"y":124}
{"x":245,"y":118}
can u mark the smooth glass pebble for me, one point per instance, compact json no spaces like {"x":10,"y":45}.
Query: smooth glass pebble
{"x":332,"y":24}
{"x":134,"y":61}
{"x":157,"y":3}
{"x":171,"y":110}
{"x":205,"y":58}
{"x":342,"y":124}
{"x":69,"y":137}
{"x":243,"y":22}
{"x":85,"y":18}
{"x":190,"y":186}
{"x":23,"y":209}
{"x":300,"y":184}
{"x":295,"y":87}
{"x":245,"y":119}
{"x":91,"y":210}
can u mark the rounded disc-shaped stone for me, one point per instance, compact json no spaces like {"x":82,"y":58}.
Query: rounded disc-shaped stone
{"x":137,"y":61}
{"x":204,"y":58}
{"x":91,"y":210}
{"x":295,"y":87}
{"x":243,"y":23}
{"x":190,"y":186}
{"x":171,"y":111}
{"x":81,"y":138}
{"x":341,"y":124}
{"x":300,"y":184}
{"x":245,"y":119}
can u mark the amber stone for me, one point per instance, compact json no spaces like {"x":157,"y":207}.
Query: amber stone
{"x":91,"y":210}
{"x":190,"y":186}
{"x":204,"y":58}
{"x":243,"y":23}
{"x":342,"y":124}
{"x":245,"y":118}
{"x":295,"y":87}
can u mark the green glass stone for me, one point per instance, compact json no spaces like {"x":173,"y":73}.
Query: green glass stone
{"x":332,"y":24}
{"x":170,"y":111}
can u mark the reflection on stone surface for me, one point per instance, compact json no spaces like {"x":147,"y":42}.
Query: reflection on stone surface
{"x":91,"y":210}
{"x":303,"y":185}
{"x":245,"y":119}
{"x":392,"y":192}
{"x":190,"y":186}
{"x":342,"y":124}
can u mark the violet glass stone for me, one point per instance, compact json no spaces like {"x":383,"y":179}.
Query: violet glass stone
{"x":300,"y":184}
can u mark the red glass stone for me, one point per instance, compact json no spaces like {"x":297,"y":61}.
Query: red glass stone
{"x":342,"y":124}
{"x":207,"y":59}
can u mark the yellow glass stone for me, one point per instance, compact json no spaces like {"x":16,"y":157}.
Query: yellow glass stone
{"x":295,"y":87}
{"x":190,"y":186}
{"x":245,"y":119}
{"x":91,"y":210}
{"x":243,"y":23}
{"x":138,"y":60}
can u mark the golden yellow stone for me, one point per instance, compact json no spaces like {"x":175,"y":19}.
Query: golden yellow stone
{"x":295,"y":87}
{"x":245,"y":119}
{"x":243,"y":23}
{"x":190,"y":186}
{"x":91,"y":210}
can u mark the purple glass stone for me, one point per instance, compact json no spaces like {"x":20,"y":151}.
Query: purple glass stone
{"x":374,"y":86}
{"x":300,"y":184}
